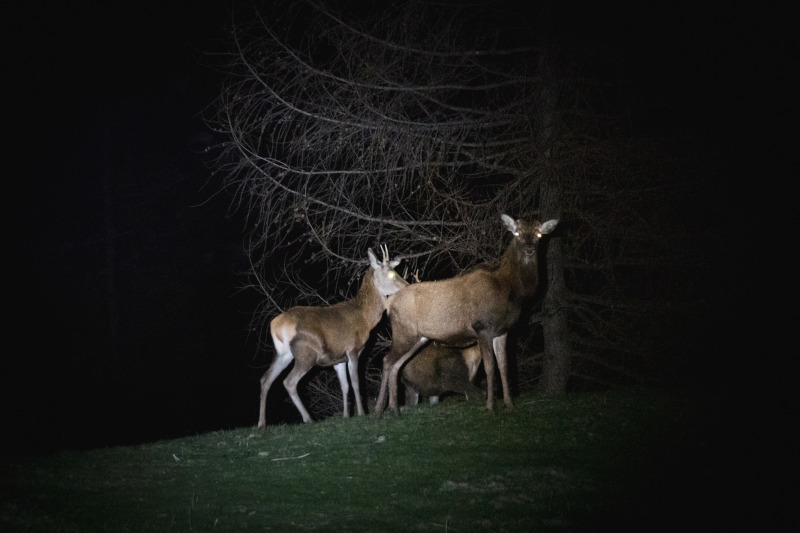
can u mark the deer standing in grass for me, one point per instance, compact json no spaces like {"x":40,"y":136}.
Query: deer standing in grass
{"x":438,"y":369}
{"x":481,"y":304}
{"x":330,"y":336}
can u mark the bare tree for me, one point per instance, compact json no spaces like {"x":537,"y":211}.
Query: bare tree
{"x":416,"y":124}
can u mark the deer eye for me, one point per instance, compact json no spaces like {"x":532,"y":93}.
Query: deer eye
{"x":390,"y":275}
{"x":538,"y":234}
{"x":516,"y":234}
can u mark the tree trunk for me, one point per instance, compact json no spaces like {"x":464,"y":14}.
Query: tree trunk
{"x":557,"y":360}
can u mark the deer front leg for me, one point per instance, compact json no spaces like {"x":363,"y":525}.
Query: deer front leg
{"x":488,"y":367}
{"x":499,"y":344}
{"x":341,"y":373}
{"x":352,"y":365}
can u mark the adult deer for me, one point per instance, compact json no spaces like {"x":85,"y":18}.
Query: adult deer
{"x":481,"y":304}
{"x":330,"y":336}
{"x":438,"y":369}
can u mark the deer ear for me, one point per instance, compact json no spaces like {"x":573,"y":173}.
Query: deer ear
{"x":548,"y":226}
{"x":510,"y":223}
{"x":372,"y":259}
{"x":396,"y":261}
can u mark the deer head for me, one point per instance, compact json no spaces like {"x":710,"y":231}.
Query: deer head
{"x":527,"y":235}
{"x":386,"y":280}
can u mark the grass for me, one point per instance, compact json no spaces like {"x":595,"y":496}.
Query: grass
{"x":636,"y":459}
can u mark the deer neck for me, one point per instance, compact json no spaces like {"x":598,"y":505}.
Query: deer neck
{"x":369,"y":300}
{"x":521,"y":275}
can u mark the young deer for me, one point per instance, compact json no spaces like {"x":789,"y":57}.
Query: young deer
{"x":330,"y":336}
{"x":481,"y":304}
{"x":438,"y":369}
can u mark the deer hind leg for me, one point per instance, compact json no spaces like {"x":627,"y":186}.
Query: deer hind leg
{"x":499,"y":344}
{"x":304,"y":359}
{"x":379,"y":403}
{"x":471,"y":390}
{"x":472,"y":358}
{"x":282,"y":359}
{"x":394,"y":373}
{"x":390,"y":361}
{"x":352,"y":366}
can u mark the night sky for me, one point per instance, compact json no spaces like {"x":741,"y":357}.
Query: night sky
{"x":107,"y":175}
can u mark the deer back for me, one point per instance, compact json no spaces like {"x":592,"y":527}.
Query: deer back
{"x":347,"y":324}
{"x":455,"y":309}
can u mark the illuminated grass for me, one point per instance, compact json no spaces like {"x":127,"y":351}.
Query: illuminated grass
{"x":593,"y":462}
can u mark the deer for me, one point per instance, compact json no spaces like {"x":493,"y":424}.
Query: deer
{"x":439,"y":369}
{"x":481,"y":304}
{"x":332,"y":335}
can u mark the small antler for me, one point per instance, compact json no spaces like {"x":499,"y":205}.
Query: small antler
{"x":385,"y":250}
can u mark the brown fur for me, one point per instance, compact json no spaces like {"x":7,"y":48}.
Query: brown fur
{"x":439,"y":369}
{"x":329,"y":336}
{"x":481,"y":305}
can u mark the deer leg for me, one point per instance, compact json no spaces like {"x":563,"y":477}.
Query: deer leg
{"x":379,"y":403}
{"x":394,"y":373}
{"x":502,"y":363}
{"x":472,"y":368}
{"x":341,"y":373}
{"x":389,"y":361}
{"x":295,"y":375}
{"x":488,"y":367}
{"x":281,"y":361}
{"x":412,"y":396}
{"x":352,"y":365}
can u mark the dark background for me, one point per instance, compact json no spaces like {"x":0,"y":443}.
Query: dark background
{"x":126,"y":323}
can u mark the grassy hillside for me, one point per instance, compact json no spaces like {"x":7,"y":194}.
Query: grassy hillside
{"x":637,"y":459}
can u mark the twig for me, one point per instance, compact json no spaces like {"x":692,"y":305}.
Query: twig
{"x":287,"y":458}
